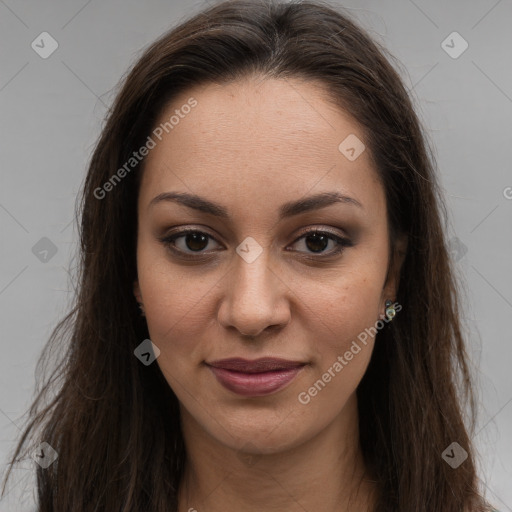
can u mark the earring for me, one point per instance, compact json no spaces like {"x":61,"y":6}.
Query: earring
{"x":141,"y":306}
{"x":390,"y":310}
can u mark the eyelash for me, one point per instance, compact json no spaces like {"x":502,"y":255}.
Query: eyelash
{"x":169,"y":242}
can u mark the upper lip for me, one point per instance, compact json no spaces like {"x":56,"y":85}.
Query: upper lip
{"x":264,"y":364}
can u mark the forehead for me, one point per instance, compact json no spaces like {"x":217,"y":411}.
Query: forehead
{"x":258,"y":138}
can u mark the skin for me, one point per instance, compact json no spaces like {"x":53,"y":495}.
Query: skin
{"x":252,"y":146}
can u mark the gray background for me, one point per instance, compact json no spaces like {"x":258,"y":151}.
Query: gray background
{"x":51,"y":114}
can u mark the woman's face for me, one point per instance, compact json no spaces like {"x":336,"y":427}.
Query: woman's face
{"x":265,"y":274}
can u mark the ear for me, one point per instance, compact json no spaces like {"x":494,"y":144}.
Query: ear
{"x":393,"y":276}
{"x":136,"y":291}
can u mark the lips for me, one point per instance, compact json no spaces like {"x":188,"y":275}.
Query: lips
{"x":255,"y":378}
{"x":264,"y":364}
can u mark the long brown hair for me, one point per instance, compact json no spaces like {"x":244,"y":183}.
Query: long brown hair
{"x":114,"y":422}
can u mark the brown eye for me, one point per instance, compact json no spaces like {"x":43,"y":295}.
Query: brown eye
{"x":317,"y":241}
{"x":196,"y":241}
{"x":188,"y":241}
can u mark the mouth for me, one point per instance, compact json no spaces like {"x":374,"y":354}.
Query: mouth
{"x":255,"y":378}
{"x":263,"y":364}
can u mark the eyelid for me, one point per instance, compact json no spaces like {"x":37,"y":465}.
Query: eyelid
{"x":320,"y":229}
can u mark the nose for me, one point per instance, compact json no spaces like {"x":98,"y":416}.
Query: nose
{"x":254,"y":299}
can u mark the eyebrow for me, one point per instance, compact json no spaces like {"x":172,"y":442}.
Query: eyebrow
{"x":289,"y":209}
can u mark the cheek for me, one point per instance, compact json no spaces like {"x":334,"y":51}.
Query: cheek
{"x":343,"y":304}
{"x":178,"y":305}
{"x":342,"y":312}
{"x":342,"y":331}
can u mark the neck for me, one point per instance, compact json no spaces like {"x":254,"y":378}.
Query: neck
{"x":326,"y":472}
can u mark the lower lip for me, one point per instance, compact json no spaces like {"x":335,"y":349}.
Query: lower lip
{"x":255,"y":384}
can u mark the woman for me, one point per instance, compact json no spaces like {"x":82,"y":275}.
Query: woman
{"x":267,"y":317}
